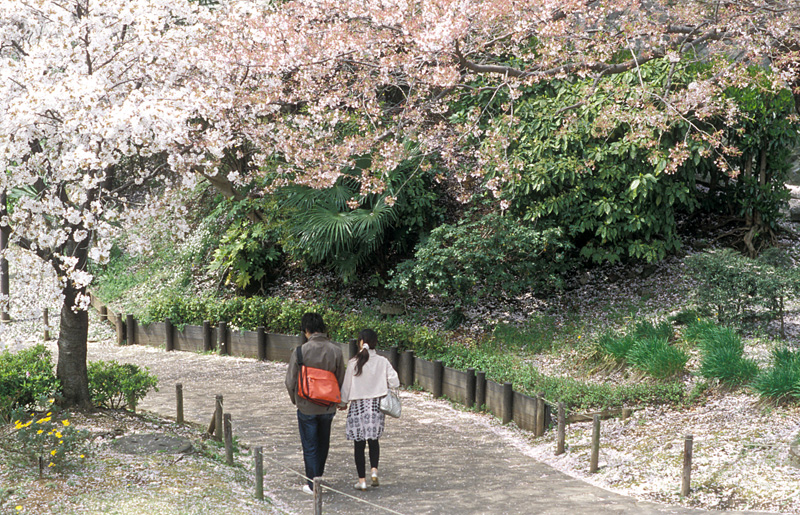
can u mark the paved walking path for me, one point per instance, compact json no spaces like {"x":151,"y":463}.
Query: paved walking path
{"x":435,"y":459}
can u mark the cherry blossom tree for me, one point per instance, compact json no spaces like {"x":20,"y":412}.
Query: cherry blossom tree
{"x":93,"y":100}
{"x":332,"y":81}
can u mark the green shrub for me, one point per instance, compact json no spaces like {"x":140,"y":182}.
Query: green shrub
{"x":25,"y":376}
{"x":114,"y":385}
{"x":657,"y":358}
{"x":739,"y":289}
{"x":495,"y":256}
{"x":781,"y":381}
{"x":248,"y":253}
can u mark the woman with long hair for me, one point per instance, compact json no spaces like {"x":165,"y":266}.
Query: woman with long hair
{"x":368,"y":378}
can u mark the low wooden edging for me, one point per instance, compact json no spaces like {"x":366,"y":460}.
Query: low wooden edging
{"x":469,"y":388}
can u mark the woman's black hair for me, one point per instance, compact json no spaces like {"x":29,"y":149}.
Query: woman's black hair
{"x":369,"y":337}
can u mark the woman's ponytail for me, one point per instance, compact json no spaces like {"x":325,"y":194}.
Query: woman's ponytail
{"x":370,"y":339}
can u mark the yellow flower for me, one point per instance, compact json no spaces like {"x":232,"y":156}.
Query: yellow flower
{"x":19,"y":508}
{"x":49,"y":413}
{"x":43,"y":420}
{"x":40,"y":431}
{"x":58,"y":435}
{"x":51,"y":401}
{"x":53,"y":452}
{"x":65,"y":422}
{"x":61,"y":441}
{"x":52,"y":464}
{"x":81,"y":456}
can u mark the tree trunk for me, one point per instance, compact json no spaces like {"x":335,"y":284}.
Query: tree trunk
{"x":4,"y":278}
{"x":71,"y":369}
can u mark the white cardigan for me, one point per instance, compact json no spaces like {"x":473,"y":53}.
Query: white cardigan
{"x":375,"y":379}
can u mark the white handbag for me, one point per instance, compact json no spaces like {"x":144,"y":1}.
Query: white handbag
{"x":390,"y":404}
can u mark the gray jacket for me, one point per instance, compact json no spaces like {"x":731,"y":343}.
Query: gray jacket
{"x":318,"y":352}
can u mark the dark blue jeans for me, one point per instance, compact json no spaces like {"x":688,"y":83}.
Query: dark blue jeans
{"x":315,"y":435}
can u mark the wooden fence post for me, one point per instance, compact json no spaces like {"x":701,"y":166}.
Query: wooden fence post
{"x":218,"y":419}
{"x":103,"y":313}
{"x":626,"y":413}
{"x":261,"y":340}
{"x":470,"y":401}
{"x":120,"y":327}
{"x":480,"y":389}
{"x":562,"y":422}
{"x":169,"y":335}
{"x":394,"y":357}
{"x":228,"y":439}
{"x":208,"y":345}
{"x":222,"y":338}
{"x":508,"y":402}
{"x":130,"y":329}
{"x":317,"y":496}
{"x":595,"y":444}
{"x":257,"y":454}
{"x":4,"y":276}
{"x":686,"y":477}
{"x":46,"y":322}
{"x":179,"y":403}
{"x":407,"y":368}
{"x":438,"y":378}
{"x":540,"y":412}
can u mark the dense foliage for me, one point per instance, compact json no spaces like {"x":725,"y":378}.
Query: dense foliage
{"x":116,"y":385}
{"x":25,"y":376}
{"x":494,"y":256}
{"x":736,"y":288}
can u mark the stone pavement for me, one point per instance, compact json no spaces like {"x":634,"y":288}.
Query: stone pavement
{"x":435,"y":459}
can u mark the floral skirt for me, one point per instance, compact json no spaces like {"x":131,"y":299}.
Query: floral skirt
{"x":364,"y":420}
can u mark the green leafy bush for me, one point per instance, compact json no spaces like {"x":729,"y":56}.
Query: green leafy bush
{"x":738,"y":288}
{"x":25,"y":376}
{"x":248,"y":253}
{"x":781,"y":381}
{"x":114,"y":385}
{"x":493,"y":257}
